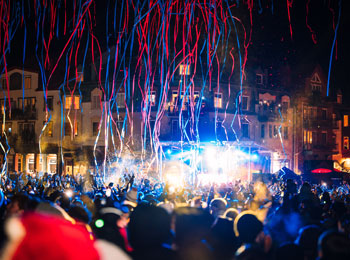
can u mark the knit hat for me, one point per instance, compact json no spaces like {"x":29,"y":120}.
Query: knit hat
{"x":247,"y":227}
{"x":35,"y":236}
{"x":131,"y":198}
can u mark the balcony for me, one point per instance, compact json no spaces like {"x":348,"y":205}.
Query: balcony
{"x":320,"y":146}
{"x":320,"y":123}
{"x":265,"y":115}
{"x":19,"y":114}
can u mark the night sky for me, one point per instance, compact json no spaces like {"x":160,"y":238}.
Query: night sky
{"x":271,"y":46}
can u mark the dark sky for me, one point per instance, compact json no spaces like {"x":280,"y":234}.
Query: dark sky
{"x":271,"y":43}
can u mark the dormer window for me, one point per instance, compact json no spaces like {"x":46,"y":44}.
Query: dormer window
{"x":259,"y":79}
{"x":316,"y":87}
{"x":72,"y":102}
{"x":184,"y":69}
{"x":121,"y":100}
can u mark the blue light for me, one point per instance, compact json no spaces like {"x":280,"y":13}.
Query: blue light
{"x":168,"y":151}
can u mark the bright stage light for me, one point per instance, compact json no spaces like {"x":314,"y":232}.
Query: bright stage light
{"x":168,"y":151}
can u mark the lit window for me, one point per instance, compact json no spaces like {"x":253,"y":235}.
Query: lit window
{"x":80,"y":77}
{"x":153,"y":98}
{"x":75,"y":127}
{"x":346,"y":142}
{"x":346,"y":120}
{"x":196,"y":96}
{"x":27,"y":82}
{"x":218,"y":100}
{"x":184,"y":99}
{"x":308,"y":137}
{"x":69,"y":102}
{"x":48,"y":129}
{"x":184,"y":69}
{"x":174,"y":96}
{"x":275,"y":131}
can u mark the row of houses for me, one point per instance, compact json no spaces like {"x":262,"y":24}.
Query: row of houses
{"x":56,"y":130}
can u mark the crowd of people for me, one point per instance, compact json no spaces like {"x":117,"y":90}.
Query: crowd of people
{"x":65,"y":217}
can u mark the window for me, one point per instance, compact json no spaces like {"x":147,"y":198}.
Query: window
{"x":48,"y":130}
{"x":285,"y":106}
{"x":184,"y":100}
{"x":245,"y":130}
{"x":218,"y":100}
{"x":346,"y":142}
{"x":316,"y":87}
{"x":3,"y":83}
{"x":270,"y":131}
{"x":275,"y":131}
{"x":95,"y":102}
{"x":259,"y":79}
{"x":80,"y":77}
{"x":49,"y":103}
{"x":95,"y":128}
{"x":195,"y":96}
{"x":121,"y":100}
{"x":263,"y":131}
{"x":153,"y":98}
{"x":285,"y":132}
{"x":174,"y":95}
{"x":70,"y":100}
{"x":346,"y":120}
{"x":26,"y":103}
{"x":184,"y":69}
{"x":175,"y":129}
{"x":324,"y":113}
{"x":245,"y":103}
{"x":27,"y":82}
{"x":16,"y":81}
{"x":324,"y":137}
{"x":308,"y":137}
{"x":68,"y":129}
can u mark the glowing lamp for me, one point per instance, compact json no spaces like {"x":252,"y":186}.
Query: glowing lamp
{"x":321,"y":170}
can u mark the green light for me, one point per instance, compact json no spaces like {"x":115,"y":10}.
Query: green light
{"x":99,"y":223}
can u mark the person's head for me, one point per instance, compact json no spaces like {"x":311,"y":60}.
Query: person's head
{"x":149,"y":226}
{"x":305,"y":188}
{"x":80,"y":213}
{"x":247,"y":227}
{"x":217,"y":207}
{"x":18,"y":204}
{"x":333,"y":245}
{"x":307,"y":240}
{"x":191,"y":225}
{"x":106,"y":226}
{"x":231,"y":213}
